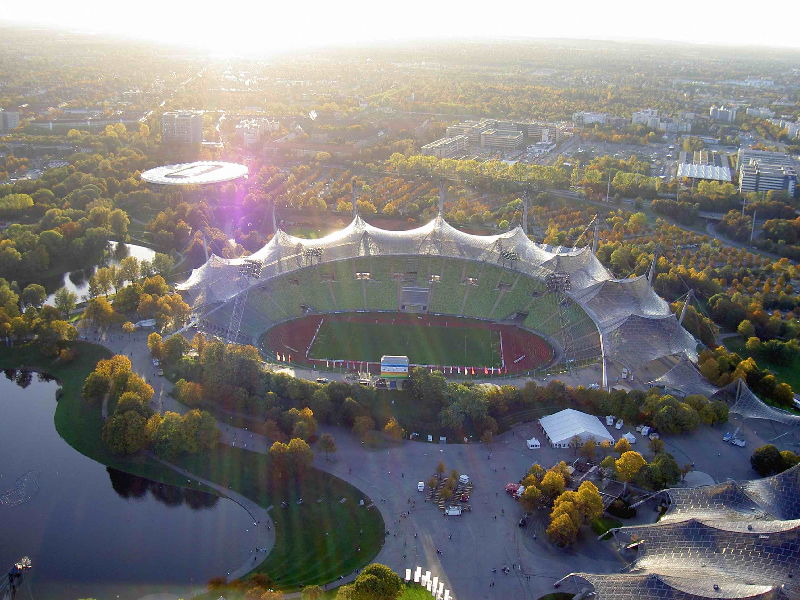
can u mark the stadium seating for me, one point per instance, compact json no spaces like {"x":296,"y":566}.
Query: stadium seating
{"x":333,"y":287}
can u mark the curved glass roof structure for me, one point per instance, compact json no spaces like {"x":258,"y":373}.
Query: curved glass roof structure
{"x":635,"y":325}
{"x":196,"y":173}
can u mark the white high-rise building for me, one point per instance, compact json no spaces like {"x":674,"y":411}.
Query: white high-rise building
{"x":182,"y":127}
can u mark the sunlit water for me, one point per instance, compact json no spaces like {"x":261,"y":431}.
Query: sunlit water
{"x":78,"y":281}
{"x":92,"y":532}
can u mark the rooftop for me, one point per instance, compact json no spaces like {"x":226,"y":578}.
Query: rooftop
{"x":196,"y":173}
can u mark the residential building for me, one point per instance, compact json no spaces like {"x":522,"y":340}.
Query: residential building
{"x":446,"y":147}
{"x":722,"y":113}
{"x":182,"y":127}
{"x":253,"y":131}
{"x":589,"y":118}
{"x":9,"y":119}
{"x":761,"y":171}
{"x":760,"y":112}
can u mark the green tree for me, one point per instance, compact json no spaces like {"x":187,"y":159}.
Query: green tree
{"x":767,"y":460}
{"x":33,"y":295}
{"x":377,"y":582}
{"x":746,"y":329}
{"x":65,"y":301}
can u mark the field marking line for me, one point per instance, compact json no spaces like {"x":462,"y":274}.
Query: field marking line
{"x":502,"y":357}
{"x":314,"y":338}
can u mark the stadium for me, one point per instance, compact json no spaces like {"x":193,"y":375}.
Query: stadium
{"x":466,"y":304}
{"x":195,"y":173}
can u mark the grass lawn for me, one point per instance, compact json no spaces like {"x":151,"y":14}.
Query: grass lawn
{"x":785,"y":373}
{"x":603,"y":524}
{"x":316,"y":541}
{"x":424,"y":345}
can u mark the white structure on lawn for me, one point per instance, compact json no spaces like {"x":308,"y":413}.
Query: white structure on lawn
{"x":562,"y":428}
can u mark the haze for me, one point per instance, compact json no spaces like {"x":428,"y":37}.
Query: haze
{"x":238,"y":26}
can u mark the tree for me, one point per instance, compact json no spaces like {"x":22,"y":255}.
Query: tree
{"x":362,"y":425}
{"x":128,"y":327}
{"x":65,"y":301}
{"x":311,"y":592}
{"x":589,"y":449}
{"x":562,"y":531}
{"x":622,"y":446}
{"x":746,"y":329}
{"x":552,"y":484}
{"x":33,"y":295}
{"x":125,"y":433}
{"x":440,"y":469}
{"x":393,"y":430}
{"x":589,"y":501}
{"x":327,"y":445}
{"x":96,"y":386}
{"x":656,"y":445}
{"x":377,"y":582}
{"x":767,"y":460}
{"x":155,"y":345}
{"x":99,"y":312}
{"x":628,"y":465}
{"x":530,"y":498}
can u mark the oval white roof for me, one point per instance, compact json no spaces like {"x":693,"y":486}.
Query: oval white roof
{"x":195,"y":173}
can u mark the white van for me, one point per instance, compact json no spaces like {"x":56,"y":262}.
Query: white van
{"x":421,"y":486}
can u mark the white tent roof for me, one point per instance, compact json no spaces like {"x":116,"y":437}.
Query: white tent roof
{"x":562,"y":426}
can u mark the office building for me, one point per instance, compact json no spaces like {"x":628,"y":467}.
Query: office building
{"x":253,"y":131}
{"x":762,"y":171}
{"x":722,"y":113}
{"x":182,"y":127}
{"x":590,"y":118}
{"x":498,"y":139}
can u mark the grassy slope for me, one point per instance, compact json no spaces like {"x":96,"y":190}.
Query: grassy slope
{"x":786,"y":373}
{"x":315,"y":541}
{"x":434,"y":345}
{"x":303,"y":553}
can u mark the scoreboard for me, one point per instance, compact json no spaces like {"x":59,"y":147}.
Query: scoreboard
{"x":394,"y":367}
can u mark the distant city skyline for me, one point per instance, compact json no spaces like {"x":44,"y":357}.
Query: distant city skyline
{"x":238,"y":26}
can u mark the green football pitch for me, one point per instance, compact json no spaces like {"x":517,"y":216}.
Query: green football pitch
{"x":423,"y":344}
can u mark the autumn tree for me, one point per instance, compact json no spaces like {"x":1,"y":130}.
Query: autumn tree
{"x":562,"y":530}
{"x":392,"y":430}
{"x":327,"y":444}
{"x":628,"y":465}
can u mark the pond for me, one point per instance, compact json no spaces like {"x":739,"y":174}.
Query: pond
{"x":78,"y":281}
{"x":94,"y":532}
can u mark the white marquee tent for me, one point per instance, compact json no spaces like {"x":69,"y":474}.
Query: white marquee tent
{"x":561,"y":427}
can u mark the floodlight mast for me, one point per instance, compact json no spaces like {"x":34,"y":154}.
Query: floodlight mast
{"x":249,"y":269}
{"x":558,"y":283}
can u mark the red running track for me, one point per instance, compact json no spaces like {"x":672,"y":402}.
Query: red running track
{"x":522,"y":350}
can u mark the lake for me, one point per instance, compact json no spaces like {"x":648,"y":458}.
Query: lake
{"x":94,"y":532}
{"x":78,"y":281}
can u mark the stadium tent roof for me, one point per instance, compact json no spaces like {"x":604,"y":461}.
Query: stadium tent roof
{"x":730,"y":540}
{"x":569,"y":423}
{"x":635,"y":325}
{"x":695,"y":171}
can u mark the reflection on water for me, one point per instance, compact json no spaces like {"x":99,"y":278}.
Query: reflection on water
{"x":132,"y":486}
{"x":95,"y":532}
{"x":78,"y":281}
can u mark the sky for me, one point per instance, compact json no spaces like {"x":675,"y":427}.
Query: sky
{"x":267,"y":26}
